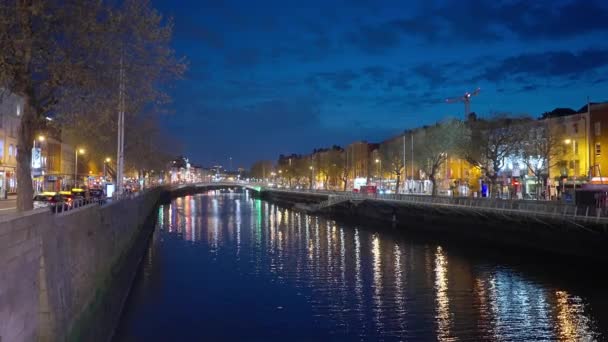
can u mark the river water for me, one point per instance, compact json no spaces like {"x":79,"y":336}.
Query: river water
{"x":229,"y":267}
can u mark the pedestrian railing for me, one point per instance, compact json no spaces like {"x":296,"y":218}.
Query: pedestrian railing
{"x":531,"y":208}
{"x":75,"y":204}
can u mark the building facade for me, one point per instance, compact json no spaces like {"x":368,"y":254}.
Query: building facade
{"x":10,"y":111}
{"x":598,"y":139}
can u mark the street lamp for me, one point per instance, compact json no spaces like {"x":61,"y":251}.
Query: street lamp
{"x":41,"y":138}
{"x":312,"y":175}
{"x":379,"y":162}
{"x":76,"y":153}
{"x":107,"y":162}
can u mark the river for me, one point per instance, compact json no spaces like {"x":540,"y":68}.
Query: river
{"x":229,"y":267}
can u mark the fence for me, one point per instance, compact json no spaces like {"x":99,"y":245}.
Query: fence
{"x":534,"y":208}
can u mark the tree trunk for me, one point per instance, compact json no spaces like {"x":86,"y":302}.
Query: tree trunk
{"x":344,"y":184}
{"x":25,"y":191}
{"x":434,"y":190}
{"x":397,"y":184}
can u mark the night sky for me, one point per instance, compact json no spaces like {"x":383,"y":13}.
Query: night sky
{"x":271,"y":77}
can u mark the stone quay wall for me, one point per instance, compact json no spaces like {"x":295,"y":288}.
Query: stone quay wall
{"x":65,"y":277}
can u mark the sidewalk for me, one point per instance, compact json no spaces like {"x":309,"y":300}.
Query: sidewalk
{"x":9,"y":198}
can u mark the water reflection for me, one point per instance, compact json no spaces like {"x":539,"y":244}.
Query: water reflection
{"x":346,"y":281}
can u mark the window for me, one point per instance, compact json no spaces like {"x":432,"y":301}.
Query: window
{"x":598,"y":129}
{"x":575,"y":127}
{"x":598,"y":149}
{"x":1,"y":149}
{"x":10,"y":150}
{"x":575,"y":146}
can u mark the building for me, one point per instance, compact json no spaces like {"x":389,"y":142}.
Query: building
{"x":598,"y":138}
{"x":360,"y":159}
{"x":10,"y":110}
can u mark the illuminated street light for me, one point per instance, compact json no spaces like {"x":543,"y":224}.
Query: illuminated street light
{"x":41,"y":138}
{"x":108,"y":160}
{"x":567,"y":141}
{"x":76,"y":153}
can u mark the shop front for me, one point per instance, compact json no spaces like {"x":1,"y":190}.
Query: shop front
{"x":8,"y":181}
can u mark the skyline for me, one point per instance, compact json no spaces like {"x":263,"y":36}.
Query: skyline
{"x":298,"y":78}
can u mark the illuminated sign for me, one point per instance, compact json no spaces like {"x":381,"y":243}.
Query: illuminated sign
{"x":36,"y":158}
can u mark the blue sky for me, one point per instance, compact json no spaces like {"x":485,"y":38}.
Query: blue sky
{"x":271,"y":77}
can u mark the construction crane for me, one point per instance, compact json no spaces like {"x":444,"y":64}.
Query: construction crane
{"x":466,"y":98}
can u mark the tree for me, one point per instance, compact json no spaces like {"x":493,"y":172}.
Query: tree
{"x":434,"y":143}
{"x":59,"y":56}
{"x":261,"y":169}
{"x":490,"y":142}
{"x":287,"y":167}
{"x":541,"y":150}
{"x":335,"y":159}
{"x":391,"y":154}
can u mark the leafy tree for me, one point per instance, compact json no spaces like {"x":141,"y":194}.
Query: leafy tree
{"x":434,"y":143}
{"x":62,"y":56}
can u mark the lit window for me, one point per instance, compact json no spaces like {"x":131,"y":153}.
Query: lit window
{"x":598,"y":149}
{"x":1,"y":149}
{"x":10,"y":150}
{"x":598,"y":129}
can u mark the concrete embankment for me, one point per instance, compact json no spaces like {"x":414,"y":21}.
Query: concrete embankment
{"x":565,"y":235}
{"x":66,"y":276}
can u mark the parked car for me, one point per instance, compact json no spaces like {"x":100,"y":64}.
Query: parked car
{"x":68,"y":197}
{"x":96,"y":193}
{"x":79,"y":193}
{"x":50,"y":200}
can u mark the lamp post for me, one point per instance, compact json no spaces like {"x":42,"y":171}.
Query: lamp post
{"x":379,"y":162}
{"x":41,"y":138}
{"x":76,"y":153}
{"x":312,"y":175}
{"x":106,"y":162}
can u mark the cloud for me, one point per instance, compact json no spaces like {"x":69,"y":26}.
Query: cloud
{"x":199,"y":33}
{"x":564,"y":64}
{"x":431,"y":73}
{"x":339,"y":80}
{"x":374,"y":39}
{"x":485,"y":21}
{"x":243,"y":57}
{"x":529,"y":87}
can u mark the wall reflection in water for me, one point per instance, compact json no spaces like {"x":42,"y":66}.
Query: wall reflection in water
{"x":371,"y":284}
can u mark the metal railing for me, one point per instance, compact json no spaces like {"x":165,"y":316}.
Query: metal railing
{"x":75,"y":204}
{"x":533,"y":208}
